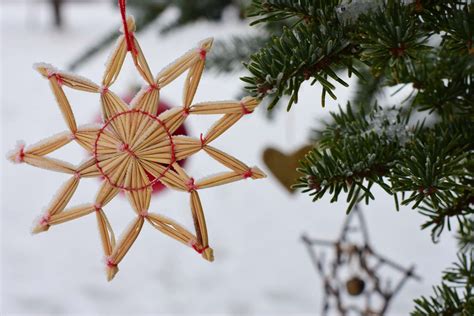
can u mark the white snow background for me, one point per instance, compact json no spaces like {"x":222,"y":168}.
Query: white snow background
{"x":260,"y":267}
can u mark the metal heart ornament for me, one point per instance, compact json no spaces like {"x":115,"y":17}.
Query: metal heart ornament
{"x":283,"y":166}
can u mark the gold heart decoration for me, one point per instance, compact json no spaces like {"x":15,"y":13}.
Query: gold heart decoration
{"x":284,"y":166}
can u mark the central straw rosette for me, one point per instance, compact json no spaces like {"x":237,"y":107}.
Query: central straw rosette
{"x":129,"y":142}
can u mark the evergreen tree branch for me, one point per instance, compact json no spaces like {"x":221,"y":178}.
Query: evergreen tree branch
{"x":278,"y":10}
{"x":299,"y":54}
{"x":427,"y":163}
{"x":229,"y":55}
{"x":465,"y":234}
{"x":430,"y":164}
{"x":359,"y":150}
{"x":455,"y":295}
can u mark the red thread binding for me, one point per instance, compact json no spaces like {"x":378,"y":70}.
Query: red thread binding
{"x":110,"y":263}
{"x":248,"y":174}
{"x":101,"y":131}
{"x":126,"y":148}
{"x":104,"y":90}
{"x":203,"y":141}
{"x":128,"y":36}
{"x":202,"y":53}
{"x":185,"y":112}
{"x":199,"y":250}
{"x":58,"y":78}
{"x":190,"y":185}
{"x":173,"y":150}
{"x":152,"y":87}
{"x":123,"y":147}
{"x":244,"y":109}
{"x":97,"y":206}
{"x":45,"y":219}
{"x":20,"y":156}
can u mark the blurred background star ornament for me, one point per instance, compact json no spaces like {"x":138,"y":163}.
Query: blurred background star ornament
{"x":283,"y":166}
{"x":132,"y":142}
{"x":357,"y":279}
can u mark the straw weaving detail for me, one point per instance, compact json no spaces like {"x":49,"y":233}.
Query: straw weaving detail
{"x":131,"y":143}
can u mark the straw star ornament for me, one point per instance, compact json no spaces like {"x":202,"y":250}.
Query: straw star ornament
{"x":132,"y":142}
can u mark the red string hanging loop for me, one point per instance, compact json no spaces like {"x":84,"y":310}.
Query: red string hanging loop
{"x":128,"y":35}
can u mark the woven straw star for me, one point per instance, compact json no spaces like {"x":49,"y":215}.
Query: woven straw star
{"x":132,"y":142}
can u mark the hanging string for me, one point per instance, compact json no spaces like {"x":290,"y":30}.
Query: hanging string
{"x":128,"y":36}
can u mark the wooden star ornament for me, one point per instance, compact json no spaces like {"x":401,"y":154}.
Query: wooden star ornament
{"x":354,"y":278}
{"x":132,"y":142}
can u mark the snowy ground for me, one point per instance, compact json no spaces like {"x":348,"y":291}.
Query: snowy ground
{"x":261,"y":267}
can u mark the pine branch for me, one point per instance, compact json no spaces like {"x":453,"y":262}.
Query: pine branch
{"x":229,"y":55}
{"x":465,"y":234}
{"x":459,"y":27}
{"x":387,"y":38}
{"x":299,"y":54}
{"x":368,"y":87}
{"x":391,"y":39}
{"x":313,"y":49}
{"x":432,"y":169}
{"x":430,"y":164}
{"x":424,"y":45}
{"x":443,"y":84}
{"x":356,"y":152}
{"x":278,"y":10}
{"x":455,"y":295}
{"x":460,"y":207}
